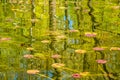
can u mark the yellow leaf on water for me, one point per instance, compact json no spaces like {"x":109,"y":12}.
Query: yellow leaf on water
{"x":62,"y":7}
{"x":84,"y":73}
{"x":80,"y":51}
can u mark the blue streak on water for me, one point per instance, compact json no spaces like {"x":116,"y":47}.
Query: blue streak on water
{"x":70,"y":22}
{"x":16,"y":76}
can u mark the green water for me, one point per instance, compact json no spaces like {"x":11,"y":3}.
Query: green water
{"x":71,"y":29}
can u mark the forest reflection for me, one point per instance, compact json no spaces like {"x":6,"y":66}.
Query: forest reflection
{"x":59,"y":40}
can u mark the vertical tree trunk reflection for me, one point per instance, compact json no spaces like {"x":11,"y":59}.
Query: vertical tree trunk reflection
{"x":52,"y":13}
{"x":78,"y":11}
{"x":32,"y":22}
{"x":52,"y":22}
{"x":66,"y":15}
{"x":93,"y":19}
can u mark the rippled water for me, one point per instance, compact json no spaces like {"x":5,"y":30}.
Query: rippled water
{"x":82,"y":38}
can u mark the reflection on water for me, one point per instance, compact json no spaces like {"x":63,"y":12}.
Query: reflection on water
{"x":71,"y":41}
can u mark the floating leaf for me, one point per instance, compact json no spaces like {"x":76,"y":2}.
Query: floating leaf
{"x":34,"y":20}
{"x":115,"y":7}
{"x":63,"y":7}
{"x":90,"y":34}
{"x":33,"y":71}
{"x":114,"y":48}
{"x":30,"y":48}
{"x":84,"y":73}
{"x":5,"y":39}
{"x":73,"y":31}
{"x":98,"y":48}
{"x":100,"y":61}
{"x":56,"y":56}
{"x":39,"y":56}
{"x":58,"y":65}
{"x":80,"y":51}
{"x":45,"y":41}
{"x":76,"y":75}
{"x":61,"y":37}
{"x":28,"y":56}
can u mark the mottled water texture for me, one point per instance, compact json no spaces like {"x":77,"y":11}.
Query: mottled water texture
{"x":59,"y":39}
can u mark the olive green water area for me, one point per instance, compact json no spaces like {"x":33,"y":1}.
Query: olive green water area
{"x":59,"y":40}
